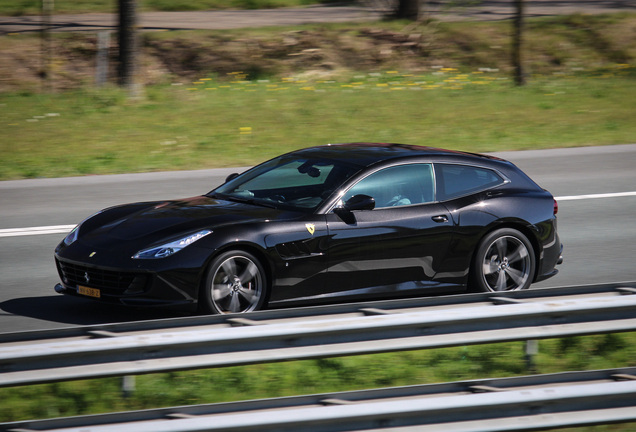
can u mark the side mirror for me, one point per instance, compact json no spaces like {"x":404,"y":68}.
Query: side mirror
{"x":359,"y":202}
{"x":231,"y":177}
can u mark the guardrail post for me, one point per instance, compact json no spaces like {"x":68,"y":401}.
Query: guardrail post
{"x":128,"y":385}
{"x":532,"y":349}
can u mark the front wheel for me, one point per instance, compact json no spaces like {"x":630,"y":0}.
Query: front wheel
{"x":504,"y":261}
{"x":235,"y":283}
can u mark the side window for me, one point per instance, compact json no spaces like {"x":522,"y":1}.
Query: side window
{"x":458,"y":180}
{"x":397,"y":186}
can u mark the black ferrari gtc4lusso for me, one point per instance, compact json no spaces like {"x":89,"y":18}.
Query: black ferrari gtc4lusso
{"x":323,"y":224}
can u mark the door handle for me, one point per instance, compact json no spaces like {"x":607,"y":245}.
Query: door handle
{"x":440,"y":219}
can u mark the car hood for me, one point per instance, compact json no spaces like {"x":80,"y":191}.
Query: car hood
{"x":165,"y":219}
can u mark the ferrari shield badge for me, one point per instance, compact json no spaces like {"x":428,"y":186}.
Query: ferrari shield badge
{"x":311,"y":228}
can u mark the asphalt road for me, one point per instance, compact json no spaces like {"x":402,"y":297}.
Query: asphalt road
{"x":599,"y":233}
{"x":219,"y":20}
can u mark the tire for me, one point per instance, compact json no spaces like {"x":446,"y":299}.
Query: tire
{"x":504,"y":261}
{"x":235,"y":283}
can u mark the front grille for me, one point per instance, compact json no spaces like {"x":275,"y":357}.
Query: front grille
{"x":108,"y":281}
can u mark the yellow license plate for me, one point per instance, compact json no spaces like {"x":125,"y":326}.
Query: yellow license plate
{"x":91,"y":292}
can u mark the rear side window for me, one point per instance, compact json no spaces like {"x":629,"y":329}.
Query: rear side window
{"x":458,"y":180}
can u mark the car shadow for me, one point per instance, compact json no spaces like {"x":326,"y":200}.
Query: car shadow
{"x":78,"y":311}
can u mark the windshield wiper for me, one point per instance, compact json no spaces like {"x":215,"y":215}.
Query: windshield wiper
{"x":244,"y":200}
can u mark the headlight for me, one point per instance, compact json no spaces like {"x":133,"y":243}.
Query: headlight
{"x":74,"y":234}
{"x":170,"y":248}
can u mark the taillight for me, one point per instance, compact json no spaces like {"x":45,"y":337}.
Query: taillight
{"x":556,"y":207}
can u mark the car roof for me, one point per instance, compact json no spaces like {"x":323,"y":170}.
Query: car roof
{"x":366,"y":153}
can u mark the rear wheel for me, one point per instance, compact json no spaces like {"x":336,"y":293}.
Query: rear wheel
{"x":504,"y":261}
{"x":235,"y":283}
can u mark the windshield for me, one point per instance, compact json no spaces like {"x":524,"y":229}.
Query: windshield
{"x":288,"y":182}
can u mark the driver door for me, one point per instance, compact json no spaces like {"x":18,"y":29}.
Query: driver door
{"x":399,"y":244}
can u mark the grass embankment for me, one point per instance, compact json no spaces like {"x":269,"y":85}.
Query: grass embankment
{"x":245,"y":96}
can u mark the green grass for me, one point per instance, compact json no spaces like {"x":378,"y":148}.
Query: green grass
{"x":218,"y":123}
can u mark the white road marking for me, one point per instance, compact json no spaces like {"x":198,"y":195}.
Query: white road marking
{"x":595,"y":196}
{"x":63,"y":229}
{"x":53,"y":229}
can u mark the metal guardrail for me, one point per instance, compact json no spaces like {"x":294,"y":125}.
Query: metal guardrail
{"x":315,"y":333}
{"x":503,"y":404}
{"x":318,"y":311}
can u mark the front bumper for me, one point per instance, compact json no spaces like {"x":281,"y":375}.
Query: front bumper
{"x":176,"y":287}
